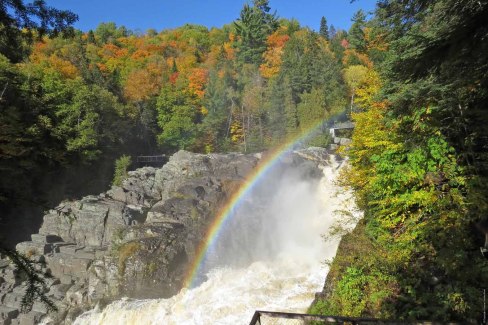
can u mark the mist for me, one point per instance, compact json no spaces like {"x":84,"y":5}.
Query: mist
{"x":269,"y":255}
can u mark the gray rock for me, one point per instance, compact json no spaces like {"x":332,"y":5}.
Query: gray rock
{"x":77,"y":295}
{"x":58,"y":291}
{"x":31,"y":318}
{"x":30,"y":248}
{"x":136,"y":239}
{"x":44,"y":239}
{"x":12,"y":300}
{"x":7,"y":314}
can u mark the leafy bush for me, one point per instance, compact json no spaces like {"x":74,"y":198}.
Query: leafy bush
{"x":121,"y":166}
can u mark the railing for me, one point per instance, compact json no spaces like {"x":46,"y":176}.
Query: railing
{"x":151,"y":159}
{"x":269,"y":317}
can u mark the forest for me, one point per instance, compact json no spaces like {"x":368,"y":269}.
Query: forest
{"x":72,"y":104}
{"x":412,"y":76}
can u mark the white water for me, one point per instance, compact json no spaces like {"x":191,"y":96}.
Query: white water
{"x":283,"y":277}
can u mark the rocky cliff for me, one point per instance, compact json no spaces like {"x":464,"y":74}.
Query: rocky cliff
{"x":135,"y":240}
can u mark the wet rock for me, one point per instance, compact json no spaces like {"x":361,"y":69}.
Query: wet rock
{"x":134,"y":240}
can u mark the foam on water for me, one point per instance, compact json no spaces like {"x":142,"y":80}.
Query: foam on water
{"x":286,"y":280}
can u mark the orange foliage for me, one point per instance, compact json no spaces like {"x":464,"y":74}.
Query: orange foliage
{"x":272,"y":56}
{"x":38,"y":52}
{"x":375,"y":42}
{"x":230,"y":52}
{"x":113,"y":51}
{"x":140,"y":54}
{"x":143,"y":83}
{"x":102,"y":67}
{"x":65,"y":68}
{"x":351,"y":54}
{"x":197,"y":80}
{"x":173,"y":77}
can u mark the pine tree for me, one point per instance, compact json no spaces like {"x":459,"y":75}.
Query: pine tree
{"x":332,"y":32}
{"x":253,"y":27}
{"x":356,"y":34}
{"x":324,"y":30}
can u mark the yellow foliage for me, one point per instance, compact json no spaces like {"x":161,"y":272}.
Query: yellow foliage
{"x":65,"y":68}
{"x":236,"y":132}
{"x":368,"y":89}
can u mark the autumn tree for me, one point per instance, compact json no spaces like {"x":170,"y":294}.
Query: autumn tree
{"x":354,"y":76}
{"x":273,"y":54}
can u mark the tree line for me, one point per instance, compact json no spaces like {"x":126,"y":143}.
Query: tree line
{"x":73,"y":102}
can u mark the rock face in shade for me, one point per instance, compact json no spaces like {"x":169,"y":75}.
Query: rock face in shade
{"x":135,"y":240}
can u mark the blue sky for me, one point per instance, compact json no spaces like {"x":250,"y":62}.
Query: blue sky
{"x":163,"y":14}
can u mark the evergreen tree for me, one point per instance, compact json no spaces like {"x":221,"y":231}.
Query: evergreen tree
{"x":356,"y":32}
{"x":324,"y":30}
{"x":253,"y":27}
{"x":332,"y":32}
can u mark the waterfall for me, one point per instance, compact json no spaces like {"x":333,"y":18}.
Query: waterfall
{"x":270,"y":256}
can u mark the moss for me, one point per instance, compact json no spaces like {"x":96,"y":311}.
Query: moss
{"x":179,"y":195}
{"x":194,"y":213}
{"x":151,"y":269}
{"x":125,"y":252}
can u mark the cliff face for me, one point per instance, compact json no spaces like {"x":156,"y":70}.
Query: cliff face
{"x":135,"y":240}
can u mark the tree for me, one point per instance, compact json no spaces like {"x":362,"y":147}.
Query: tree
{"x":252,"y":28}
{"x":122,"y":164}
{"x":332,"y":32}
{"x":177,"y":118}
{"x":36,"y":18}
{"x":36,"y":285}
{"x":356,"y":33}
{"x":324,"y":30}
{"x":354,"y":76}
{"x":108,"y":32}
{"x":418,"y":167}
{"x":272,"y":57}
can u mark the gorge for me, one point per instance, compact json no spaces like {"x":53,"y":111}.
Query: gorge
{"x":138,"y":241}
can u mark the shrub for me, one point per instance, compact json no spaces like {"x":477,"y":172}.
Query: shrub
{"x":121,"y":166}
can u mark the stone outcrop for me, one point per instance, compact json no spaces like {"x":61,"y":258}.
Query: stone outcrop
{"x":135,"y":240}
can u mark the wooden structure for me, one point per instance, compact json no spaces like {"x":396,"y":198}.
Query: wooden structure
{"x":319,"y":319}
{"x":348,"y":125}
{"x":151,"y":159}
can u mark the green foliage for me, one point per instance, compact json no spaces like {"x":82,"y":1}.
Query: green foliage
{"x":121,"y":166}
{"x":108,"y":32}
{"x":254,"y":25}
{"x":324,"y":29}
{"x":36,"y":285}
{"x":356,"y":33}
{"x":20,"y":22}
{"x":177,"y":117}
{"x":414,"y":172}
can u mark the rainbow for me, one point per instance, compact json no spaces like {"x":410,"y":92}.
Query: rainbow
{"x":266,"y":163}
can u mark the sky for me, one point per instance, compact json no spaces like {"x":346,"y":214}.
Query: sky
{"x":142,"y":15}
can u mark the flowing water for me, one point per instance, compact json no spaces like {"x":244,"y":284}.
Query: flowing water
{"x":270,"y":256}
